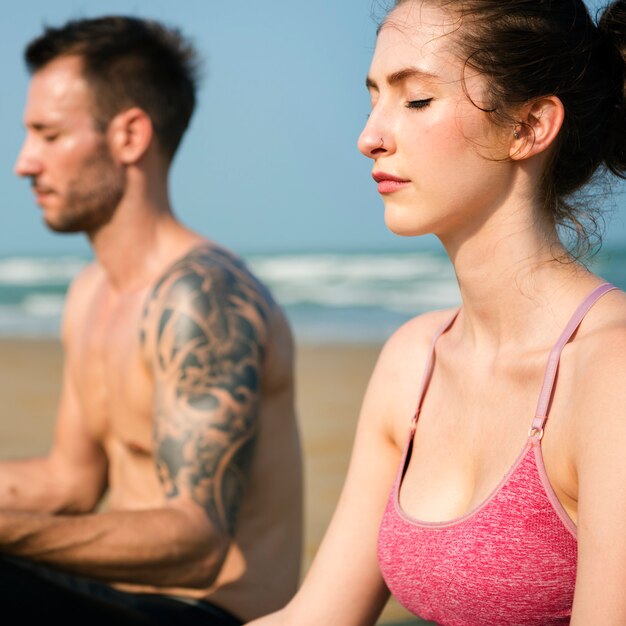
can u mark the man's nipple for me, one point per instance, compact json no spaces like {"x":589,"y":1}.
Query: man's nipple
{"x":137,"y":448}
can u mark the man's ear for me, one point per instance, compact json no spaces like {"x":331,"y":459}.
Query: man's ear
{"x":130,"y":134}
{"x":539,"y":124}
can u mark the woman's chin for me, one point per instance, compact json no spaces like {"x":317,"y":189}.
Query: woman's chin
{"x":404,"y":227}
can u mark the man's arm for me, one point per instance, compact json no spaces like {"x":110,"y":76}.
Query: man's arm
{"x":71,"y":478}
{"x":204,"y":330}
{"x":208,"y":331}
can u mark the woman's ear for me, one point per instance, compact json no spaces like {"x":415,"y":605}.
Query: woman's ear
{"x":539,"y":124}
{"x":130,"y":134}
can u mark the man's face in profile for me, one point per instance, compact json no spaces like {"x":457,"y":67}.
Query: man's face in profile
{"x":74,"y":177}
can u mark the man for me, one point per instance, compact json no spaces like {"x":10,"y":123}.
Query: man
{"x":178,"y":379}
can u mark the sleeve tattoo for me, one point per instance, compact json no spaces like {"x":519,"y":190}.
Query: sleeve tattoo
{"x":205,"y":327}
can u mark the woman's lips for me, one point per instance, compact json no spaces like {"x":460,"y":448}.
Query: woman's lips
{"x":387,"y":183}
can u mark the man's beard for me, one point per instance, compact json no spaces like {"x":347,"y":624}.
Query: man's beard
{"x":92,"y":195}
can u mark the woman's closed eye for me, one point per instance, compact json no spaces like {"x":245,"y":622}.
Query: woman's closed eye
{"x":418,"y":104}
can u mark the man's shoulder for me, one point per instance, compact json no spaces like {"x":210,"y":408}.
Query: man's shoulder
{"x":80,"y":294}
{"x":85,"y":279}
{"x":214,"y":270}
{"x":209,"y":294}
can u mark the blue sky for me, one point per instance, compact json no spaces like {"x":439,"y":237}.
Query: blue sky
{"x":270,"y":161}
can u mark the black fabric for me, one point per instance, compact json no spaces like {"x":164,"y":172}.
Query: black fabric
{"x":31,"y":593}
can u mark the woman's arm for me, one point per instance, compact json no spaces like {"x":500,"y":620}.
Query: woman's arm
{"x":601,"y":468}
{"x":344,"y":585}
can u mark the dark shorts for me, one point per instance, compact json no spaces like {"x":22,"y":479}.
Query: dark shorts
{"x":35,"y":594}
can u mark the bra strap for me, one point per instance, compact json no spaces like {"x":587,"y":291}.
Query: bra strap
{"x":428,"y":369}
{"x":541,"y":414}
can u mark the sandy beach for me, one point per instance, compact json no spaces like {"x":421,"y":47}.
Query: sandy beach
{"x":331,"y":383}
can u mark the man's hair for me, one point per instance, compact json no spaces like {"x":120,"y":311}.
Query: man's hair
{"x":128,"y":62}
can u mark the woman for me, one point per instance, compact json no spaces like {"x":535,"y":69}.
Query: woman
{"x":505,"y":502}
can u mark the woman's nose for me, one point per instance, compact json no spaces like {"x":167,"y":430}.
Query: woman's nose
{"x":374,"y":140}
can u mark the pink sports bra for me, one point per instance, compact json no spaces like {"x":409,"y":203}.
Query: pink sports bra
{"x":512,"y":560}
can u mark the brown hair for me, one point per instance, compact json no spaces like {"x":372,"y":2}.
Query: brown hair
{"x":128,"y":62}
{"x":532,"y":48}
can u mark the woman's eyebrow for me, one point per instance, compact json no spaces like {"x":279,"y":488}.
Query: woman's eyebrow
{"x":400,"y":76}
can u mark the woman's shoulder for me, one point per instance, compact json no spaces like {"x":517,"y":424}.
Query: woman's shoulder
{"x":596,"y":398}
{"x":596,"y":361}
{"x":405,"y":352}
{"x":418,"y":332}
{"x":601,"y":338}
{"x":393,"y":388}
{"x":402,"y":358}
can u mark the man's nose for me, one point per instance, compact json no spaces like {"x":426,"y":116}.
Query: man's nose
{"x":27,"y":163}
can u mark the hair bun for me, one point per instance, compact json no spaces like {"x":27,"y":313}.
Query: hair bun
{"x":612,"y":25}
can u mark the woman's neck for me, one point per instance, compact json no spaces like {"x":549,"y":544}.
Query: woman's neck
{"x":517,"y":284}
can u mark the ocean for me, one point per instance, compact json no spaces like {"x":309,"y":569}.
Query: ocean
{"x":328,"y":297}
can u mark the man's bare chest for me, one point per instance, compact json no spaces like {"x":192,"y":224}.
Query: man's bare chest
{"x":107,"y":365}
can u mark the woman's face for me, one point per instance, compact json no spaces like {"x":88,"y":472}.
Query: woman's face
{"x":440,"y":163}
